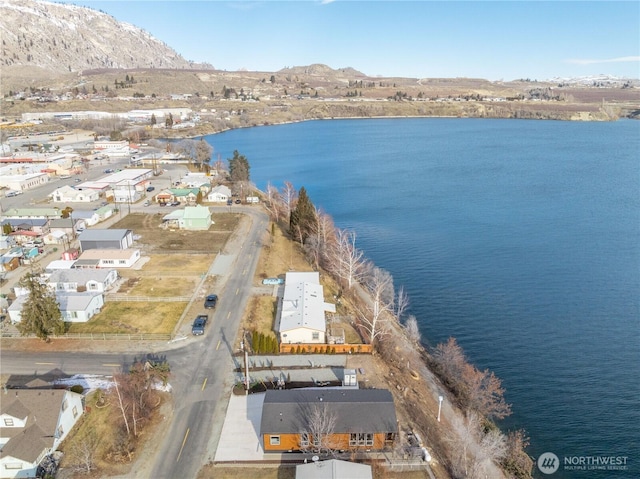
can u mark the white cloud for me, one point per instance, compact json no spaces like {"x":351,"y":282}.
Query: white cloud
{"x":591,"y":61}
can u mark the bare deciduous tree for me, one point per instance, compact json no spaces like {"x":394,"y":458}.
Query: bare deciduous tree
{"x":480,"y":391}
{"x":81,"y":456}
{"x":450,"y":361}
{"x":516,"y":461}
{"x":347,"y":261}
{"x":319,"y":429}
{"x":483,"y":392}
{"x":401,"y":304}
{"x":288,"y":196}
{"x":374,"y":314}
{"x":320,"y":239}
{"x":474,"y":451}
{"x":412,"y":329}
{"x":273,"y":202}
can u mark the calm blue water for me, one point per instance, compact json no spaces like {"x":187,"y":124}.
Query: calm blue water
{"x":519,"y":238}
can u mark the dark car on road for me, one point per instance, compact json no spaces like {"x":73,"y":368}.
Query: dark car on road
{"x":211,"y":301}
{"x":150,"y":188}
{"x":198,"y":325}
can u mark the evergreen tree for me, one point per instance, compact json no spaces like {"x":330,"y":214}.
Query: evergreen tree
{"x":303,"y":221}
{"x":239,"y":167}
{"x":40,"y":313}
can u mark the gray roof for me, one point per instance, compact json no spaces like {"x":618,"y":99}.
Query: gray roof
{"x":27,"y":443}
{"x":356,"y":410}
{"x":82,"y":276}
{"x":75,"y":301}
{"x":103,"y":234}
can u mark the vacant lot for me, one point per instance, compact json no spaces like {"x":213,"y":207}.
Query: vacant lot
{"x":155,"y":239}
{"x":133,"y":317}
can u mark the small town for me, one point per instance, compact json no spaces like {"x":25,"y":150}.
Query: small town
{"x":177,"y":300}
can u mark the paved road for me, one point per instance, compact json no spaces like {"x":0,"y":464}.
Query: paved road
{"x":185,"y":448}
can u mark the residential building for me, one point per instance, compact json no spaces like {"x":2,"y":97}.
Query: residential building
{"x":107,"y":258}
{"x":67,"y":194}
{"x":196,"y":218}
{"x":74,"y":307}
{"x":302,"y":311}
{"x":333,"y":469}
{"x":219,"y":194}
{"x":33,"y":423}
{"x":364,"y":419}
{"x":79,"y":280}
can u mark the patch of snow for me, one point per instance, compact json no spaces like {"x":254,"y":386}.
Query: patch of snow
{"x":92,"y":382}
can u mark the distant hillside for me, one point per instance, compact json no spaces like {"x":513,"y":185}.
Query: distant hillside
{"x":62,"y":38}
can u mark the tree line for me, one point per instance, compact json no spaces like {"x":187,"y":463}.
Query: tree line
{"x":476,"y":441}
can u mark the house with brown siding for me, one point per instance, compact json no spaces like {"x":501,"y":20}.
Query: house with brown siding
{"x":364,"y":419}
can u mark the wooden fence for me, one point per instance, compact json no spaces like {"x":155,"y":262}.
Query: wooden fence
{"x":97,"y":336}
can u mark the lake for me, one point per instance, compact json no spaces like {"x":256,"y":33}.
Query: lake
{"x":519,"y":238}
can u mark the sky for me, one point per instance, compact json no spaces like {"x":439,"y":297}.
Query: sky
{"x":494,"y":40}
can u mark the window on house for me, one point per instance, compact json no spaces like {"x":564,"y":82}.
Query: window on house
{"x":75,"y":411}
{"x":390,"y":437}
{"x":122,"y":261}
{"x":361,"y":439}
{"x":304,"y":439}
{"x":315,"y":336}
{"x":59,"y":431}
{"x":13,"y":465}
{"x":8,"y":422}
{"x":274,"y":440}
{"x":65,"y":404}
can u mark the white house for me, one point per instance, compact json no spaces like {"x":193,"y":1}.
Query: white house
{"x":302,"y":311}
{"x":79,"y":307}
{"x":219,"y":194}
{"x":33,"y":423}
{"x":67,"y":194}
{"x":78,"y":280}
{"x":107,"y":258}
{"x":92,"y":217}
{"x":74,"y":307}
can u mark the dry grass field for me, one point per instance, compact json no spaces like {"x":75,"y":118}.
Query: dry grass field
{"x":125,"y":317}
{"x":154,"y":239}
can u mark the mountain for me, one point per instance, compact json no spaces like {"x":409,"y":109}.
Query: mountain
{"x":63,"y":38}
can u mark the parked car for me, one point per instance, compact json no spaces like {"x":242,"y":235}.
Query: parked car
{"x":198,"y":325}
{"x":108,"y":170}
{"x":211,"y":301}
{"x":175,"y":203}
{"x":146,"y":203}
{"x":150,"y":188}
{"x":13,"y":193}
{"x":229,"y":201}
{"x":238,"y":202}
